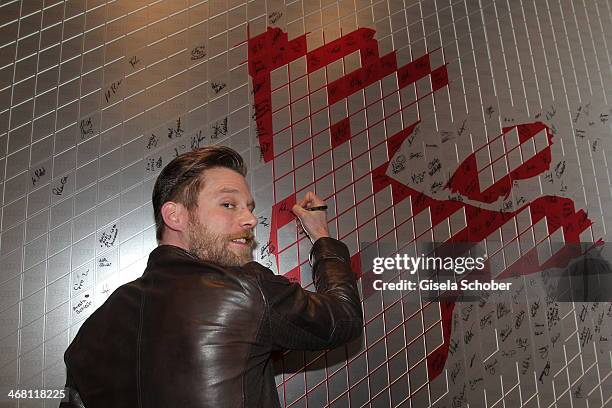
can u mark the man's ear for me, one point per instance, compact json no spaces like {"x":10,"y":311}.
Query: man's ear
{"x":174,"y":215}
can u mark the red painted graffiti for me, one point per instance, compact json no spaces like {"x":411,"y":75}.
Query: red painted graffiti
{"x":272,"y":52}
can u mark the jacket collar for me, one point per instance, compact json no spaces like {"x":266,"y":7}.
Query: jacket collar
{"x":165,"y":253}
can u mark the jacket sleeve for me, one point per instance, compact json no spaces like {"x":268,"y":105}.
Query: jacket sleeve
{"x":300,"y":319}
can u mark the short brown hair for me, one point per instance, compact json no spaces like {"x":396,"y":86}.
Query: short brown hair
{"x":181,"y":180}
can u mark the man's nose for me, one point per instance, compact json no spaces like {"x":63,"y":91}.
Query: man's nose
{"x":249,"y":220}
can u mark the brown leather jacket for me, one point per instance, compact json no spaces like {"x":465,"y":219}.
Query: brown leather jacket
{"x":193,"y":334}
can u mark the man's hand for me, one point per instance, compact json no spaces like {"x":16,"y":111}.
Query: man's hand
{"x":313,"y":222}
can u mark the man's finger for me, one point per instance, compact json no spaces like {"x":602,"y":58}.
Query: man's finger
{"x":304,"y":200}
{"x":312,"y":199}
{"x":298,"y":210}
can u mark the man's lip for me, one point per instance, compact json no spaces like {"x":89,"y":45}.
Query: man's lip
{"x":248,"y":238}
{"x":247,"y":243}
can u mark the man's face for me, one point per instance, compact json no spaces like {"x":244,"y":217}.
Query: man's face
{"x":221,"y":227}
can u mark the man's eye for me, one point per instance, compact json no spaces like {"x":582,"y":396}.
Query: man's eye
{"x":228,"y":205}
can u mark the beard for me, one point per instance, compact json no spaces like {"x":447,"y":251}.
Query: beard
{"x":208,"y":246}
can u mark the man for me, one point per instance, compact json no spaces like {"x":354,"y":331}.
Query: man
{"x":197,"y":329}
